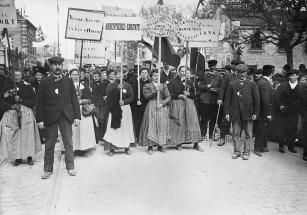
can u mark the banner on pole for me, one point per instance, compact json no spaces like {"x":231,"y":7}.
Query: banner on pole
{"x":199,"y":33}
{"x":160,"y":24}
{"x":84,"y":24}
{"x":8,"y":18}
{"x":93,"y":52}
{"x":122,"y":28}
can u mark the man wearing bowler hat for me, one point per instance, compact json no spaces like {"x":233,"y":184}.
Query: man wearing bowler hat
{"x":242,"y":108}
{"x":57,"y":106}
{"x":209,"y":88}
{"x":288,"y":104}
{"x":265,"y":89}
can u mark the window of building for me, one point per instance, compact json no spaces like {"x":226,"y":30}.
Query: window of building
{"x":280,"y":47}
{"x":256,"y":42}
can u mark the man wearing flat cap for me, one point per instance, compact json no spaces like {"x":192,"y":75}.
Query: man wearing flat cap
{"x":242,"y":108}
{"x":209,"y":89}
{"x":265,"y":89}
{"x":288,"y":104}
{"x":229,"y":77}
{"x":57,"y":106}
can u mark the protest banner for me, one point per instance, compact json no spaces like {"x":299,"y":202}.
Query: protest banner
{"x":84,"y":24}
{"x":122,"y":28}
{"x":8,"y":18}
{"x":93,"y":52}
{"x":160,"y":25}
{"x":199,"y":33}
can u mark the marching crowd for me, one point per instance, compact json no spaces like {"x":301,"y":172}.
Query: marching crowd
{"x":102,"y":107}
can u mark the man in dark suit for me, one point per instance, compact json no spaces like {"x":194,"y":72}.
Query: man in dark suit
{"x":229,"y":76}
{"x":57,"y":106}
{"x":241,"y":107}
{"x":209,"y":88}
{"x":265,"y":90}
{"x":303,"y":107}
{"x":288,"y":103}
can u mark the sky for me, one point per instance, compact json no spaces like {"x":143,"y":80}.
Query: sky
{"x":44,"y":13}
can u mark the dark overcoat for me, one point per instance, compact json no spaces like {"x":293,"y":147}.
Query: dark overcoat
{"x":242,"y":101}
{"x":55,"y":97}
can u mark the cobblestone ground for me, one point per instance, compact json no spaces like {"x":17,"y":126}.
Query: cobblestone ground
{"x":175,"y":182}
{"x":22,"y":191}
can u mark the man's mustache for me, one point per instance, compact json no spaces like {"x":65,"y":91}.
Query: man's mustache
{"x":58,"y":70}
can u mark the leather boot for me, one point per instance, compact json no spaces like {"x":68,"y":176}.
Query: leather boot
{"x":247,"y":147}
{"x":237,"y":148}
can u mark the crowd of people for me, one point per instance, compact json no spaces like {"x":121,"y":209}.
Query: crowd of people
{"x":123,"y":109}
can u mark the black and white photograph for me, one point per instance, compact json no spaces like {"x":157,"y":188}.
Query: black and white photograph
{"x":153,"y":107}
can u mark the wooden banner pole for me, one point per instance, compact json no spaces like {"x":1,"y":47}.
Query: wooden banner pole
{"x":138,"y":69}
{"x":186,"y":66}
{"x":159,"y":71}
{"x":81,"y":53}
{"x":121,"y":69}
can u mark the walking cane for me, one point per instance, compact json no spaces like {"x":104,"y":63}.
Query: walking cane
{"x":217,"y":117}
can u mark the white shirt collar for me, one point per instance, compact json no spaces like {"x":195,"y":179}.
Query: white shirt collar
{"x":293,"y":85}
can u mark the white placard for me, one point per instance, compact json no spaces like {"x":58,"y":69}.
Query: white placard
{"x":122,"y":28}
{"x":8,"y":18}
{"x":199,"y":33}
{"x":93,"y":52}
{"x":84,"y":24}
{"x":160,"y":24}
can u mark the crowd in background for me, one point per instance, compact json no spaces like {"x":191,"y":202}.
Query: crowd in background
{"x":183,"y":109}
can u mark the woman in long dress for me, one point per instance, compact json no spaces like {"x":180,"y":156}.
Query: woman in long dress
{"x":83,"y":135}
{"x":19,"y":135}
{"x":155,"y":125}
{"x":119,"y":132}
{"x":184,"y":125}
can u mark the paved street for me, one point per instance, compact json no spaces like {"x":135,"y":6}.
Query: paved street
{"x":177,"y":182}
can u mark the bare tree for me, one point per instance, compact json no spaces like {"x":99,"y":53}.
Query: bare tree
{"x":280,"y":22}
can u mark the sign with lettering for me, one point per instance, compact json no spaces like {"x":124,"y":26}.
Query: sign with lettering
{"x":93,"y":52}
{"x":122,"y":28}
{"x":160,"y":24}
{"x":8,"y":18}
{"x":84,"y":24}
{"x":200,"y":33}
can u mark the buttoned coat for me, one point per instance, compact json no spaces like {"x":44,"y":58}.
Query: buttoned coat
{"x":55,"y":97}
{"x":266,"y":98}
{"x":207,"y":96}
{"x":242,"y":101}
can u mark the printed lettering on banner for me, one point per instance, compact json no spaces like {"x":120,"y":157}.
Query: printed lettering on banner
{"x":8,"y":18}
{"x":93,"y":52}
{"x":122,"y":28}
{"x":199,"y":33}
{"x":84,"y":24}
{"x":160,"y":24}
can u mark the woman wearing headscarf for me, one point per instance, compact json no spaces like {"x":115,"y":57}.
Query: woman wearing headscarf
{"x":155,"y":125}
{"x":184,"y":125}
{"x":19,"y":135}
{"x":119,"y":133}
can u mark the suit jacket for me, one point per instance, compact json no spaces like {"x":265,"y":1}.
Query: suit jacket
{"x":266,"y":98}
{"x":207,"y":96}
{"x":242,"y":101}
{"x":289,"y":98}
{"x":55,"y":97}
{"x":227,"y":79}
